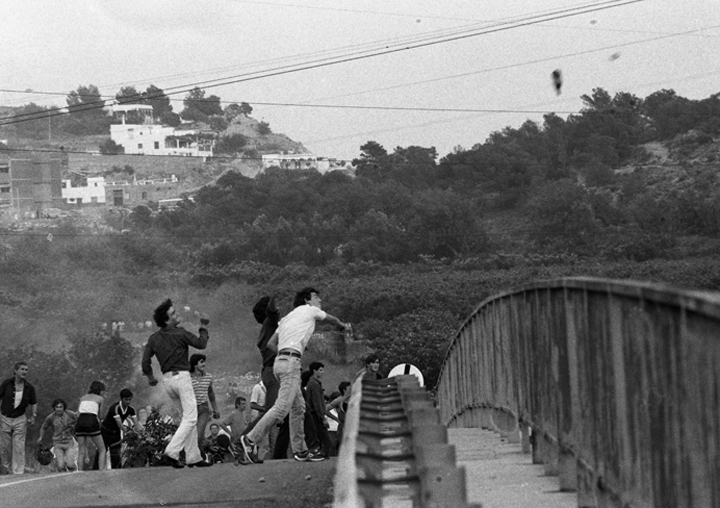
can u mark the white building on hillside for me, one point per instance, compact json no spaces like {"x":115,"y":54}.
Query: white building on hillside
{"x":138,"y":133}
{"x":91,"y":190}
{"x":305,"y":161}
{"x":289,"y":161}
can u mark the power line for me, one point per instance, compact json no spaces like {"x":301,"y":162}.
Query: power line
{"x":420,"y":43}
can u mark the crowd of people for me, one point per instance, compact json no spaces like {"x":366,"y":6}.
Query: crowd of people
{"x":290,"y":415}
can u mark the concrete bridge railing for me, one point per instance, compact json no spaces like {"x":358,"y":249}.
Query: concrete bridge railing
{"x":613,"y":385}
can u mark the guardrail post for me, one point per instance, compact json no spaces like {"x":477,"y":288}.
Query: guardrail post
{"x":550,"y":455}
{"x":525,"y":437}
{"x":586,"y":486}
{"x":567,"y":466}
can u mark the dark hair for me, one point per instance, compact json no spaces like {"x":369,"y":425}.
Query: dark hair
{"x":96,"y":387}
{"x":260,"y":308}
{"x":160,"y":316}
{"x":239,"y":400}
{"x":305,"y":377}
{"x":372,"y":357}
{"x":214,"y":425}
{"x":302,"y":296}
{"x":59,"y":401}
{"x":343,"y":386}
{"x":315,"y":366}
{"x":195,"y":359}
{"x":125,"y":393}
{"x":18,"y":365}
{"x":334,"y":395}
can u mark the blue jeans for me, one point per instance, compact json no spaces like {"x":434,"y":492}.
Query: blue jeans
{"x":289,"y":400}
{"x":204,"y":414}
{"x":179,"y":388}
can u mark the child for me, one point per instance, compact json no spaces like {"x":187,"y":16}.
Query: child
{"x":88,"y":423}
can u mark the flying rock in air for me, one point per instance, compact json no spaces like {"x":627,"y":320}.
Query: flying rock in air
{"x":557,"y":81}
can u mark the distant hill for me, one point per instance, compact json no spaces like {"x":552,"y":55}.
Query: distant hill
{"x":84,"y":156}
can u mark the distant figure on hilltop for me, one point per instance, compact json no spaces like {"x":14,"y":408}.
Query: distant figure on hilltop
{"x":170,"y":346}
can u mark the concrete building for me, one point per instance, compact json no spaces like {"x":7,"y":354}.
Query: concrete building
{"x":289,"y":161}
{"x":31,"y":185}
{"x":305,"y":161}
{"x":140,"y":134}
{"x":86,"y":190}
{"x":132,"y":193}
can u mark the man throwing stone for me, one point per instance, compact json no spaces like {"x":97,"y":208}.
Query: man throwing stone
{"x":170,"y":346}
{"x":293,"y":334}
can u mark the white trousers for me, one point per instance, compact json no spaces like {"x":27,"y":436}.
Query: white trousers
{"x":179,"y":388}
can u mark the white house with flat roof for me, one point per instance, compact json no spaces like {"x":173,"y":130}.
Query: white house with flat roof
{"x":305,"y":161}
{"x":89,"y":190}
{"x":289,"y":160}
{"x":139,"y":134}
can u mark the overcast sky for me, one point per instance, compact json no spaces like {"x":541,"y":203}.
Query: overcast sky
{"x":479,"y":67}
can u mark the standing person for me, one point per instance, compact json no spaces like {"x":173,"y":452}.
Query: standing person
{"x":119,"y":416}
{"x":311,"y":436}
{"x":257,"y":400}
{"x":339,"y":404}
{"x":266,"y":313}
{"x":88,"y":424}
{"x":372,"y":368}
{"x":316,"y":408}
{"x":62,"y":422}
{"x":170,"y":346}
{"x":204,"y":394}
{"x":293,"y":333}
{"x":257,"y":409}
{"x":235,"y":420}
{"x":17,"y":394}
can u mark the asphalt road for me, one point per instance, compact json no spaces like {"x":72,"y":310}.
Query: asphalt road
{"x":277,"y":483}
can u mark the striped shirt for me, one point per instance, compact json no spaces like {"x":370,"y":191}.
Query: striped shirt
{"x":201,"y":385}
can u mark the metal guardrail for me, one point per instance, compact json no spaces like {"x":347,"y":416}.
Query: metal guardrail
{"x":394,"y":451}
{"x":613,"y":385}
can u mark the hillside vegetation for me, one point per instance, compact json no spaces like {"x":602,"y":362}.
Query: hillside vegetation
{"x":627,"y":189}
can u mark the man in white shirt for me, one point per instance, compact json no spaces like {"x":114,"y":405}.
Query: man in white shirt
{"x":257,"y":400}
{"x":293,"y":334}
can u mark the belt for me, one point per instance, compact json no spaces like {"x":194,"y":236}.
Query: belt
{"x":290,"y":353}
{"x":172,"y":373}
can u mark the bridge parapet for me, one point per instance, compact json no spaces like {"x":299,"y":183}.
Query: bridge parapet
{"x":613,"y":385}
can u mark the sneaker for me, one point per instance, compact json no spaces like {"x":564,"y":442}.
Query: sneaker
{"x":316,"y":456}
{"x":249,"y":450}
{"x":203,"y":462}
{"x":302,"y":456}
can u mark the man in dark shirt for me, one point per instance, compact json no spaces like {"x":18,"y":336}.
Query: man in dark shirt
{"x":113,"y":426}
{"x":170,"y":346}
{"x":266,"y":313}
{"x":316,"y":407}
{"x":17,"y":394}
